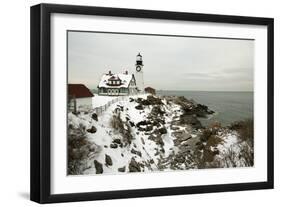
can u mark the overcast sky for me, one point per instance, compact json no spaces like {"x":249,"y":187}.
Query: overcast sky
{"x":170,"y":63}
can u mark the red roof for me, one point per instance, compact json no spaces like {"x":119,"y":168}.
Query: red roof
{"x":79,"y":91}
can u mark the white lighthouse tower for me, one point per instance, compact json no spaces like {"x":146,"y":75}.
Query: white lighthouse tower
{"x":139,"y":73}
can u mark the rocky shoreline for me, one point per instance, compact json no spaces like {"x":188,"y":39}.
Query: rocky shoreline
{"x":152,"y":133}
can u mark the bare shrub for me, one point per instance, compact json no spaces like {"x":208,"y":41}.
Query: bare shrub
{"x":245,"y":130}
{"x":122,"y":127}
{"x":209,"y":132}
{"x":241,"y":155}
{"x":247,"y":155}
{"x":79,"y":149}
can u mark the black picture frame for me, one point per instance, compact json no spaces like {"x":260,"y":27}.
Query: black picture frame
{"x":41,"y":96}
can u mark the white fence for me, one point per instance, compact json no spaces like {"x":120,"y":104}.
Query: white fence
{"x":99,"y":110}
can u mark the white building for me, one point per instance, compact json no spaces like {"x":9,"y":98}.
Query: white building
{"x":79,"y":97}
{"x":117,"y":84}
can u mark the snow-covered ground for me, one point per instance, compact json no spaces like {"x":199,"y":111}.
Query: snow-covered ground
{"x":98,"y":101}
{"x":149,"y":150}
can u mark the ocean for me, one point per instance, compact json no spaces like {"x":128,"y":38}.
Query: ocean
{"x":228,"y":106}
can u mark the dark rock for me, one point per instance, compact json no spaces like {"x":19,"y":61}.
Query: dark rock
{"x":147,"y":124}
{"x":92,"y":130}
{"x":131,"y":123}
{"x":145,"y":102}
{"x":108,"y":160}
{"x":142,"y":141}
{"x":139,"y":107}
{"x":216,"y":151}
{"x":134,"y":166}
{"x":143,"y":123}
{"x":136,"y":152}
{"x":122,"y":169}
{"x":154,"y":100}
{"x":117,"y":141}
{"x":163,"y":130}
{"x":131,"y":100}
{"x":191,"y":120}
{"x":98,"y":166}
{"x":113,"y":145}
{"x":95,"y":116}
{"x":148,"y":128}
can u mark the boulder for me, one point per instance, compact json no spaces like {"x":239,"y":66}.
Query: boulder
{"x":139,"y":107}
{"x":98,"y":166}
{"x":143,"y":123}
{"x":117,"y":141}
{"x":113,"y":145}
{"x":108,"y":160}
{"x":136,"y":152}
{"x":95,"y":116}
{"x":92,"y":130}
{"x":148,"y":128}
{"x":122,"y":169}
{"x":132,"y":124}
{"x":163,"y":130}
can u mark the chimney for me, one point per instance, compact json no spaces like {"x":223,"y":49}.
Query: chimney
{"x":126,"y":72}
{"x":109,"y":72}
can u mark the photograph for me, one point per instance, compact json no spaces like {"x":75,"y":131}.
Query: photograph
{"x":155,"y":102}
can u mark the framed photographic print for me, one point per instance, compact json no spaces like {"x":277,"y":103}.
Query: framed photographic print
{"x":132,"y":103}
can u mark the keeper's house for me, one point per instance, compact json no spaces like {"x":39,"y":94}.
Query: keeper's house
{"x":121,"y":84}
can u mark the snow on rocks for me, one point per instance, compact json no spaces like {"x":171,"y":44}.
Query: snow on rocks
{"x":144,"y":133}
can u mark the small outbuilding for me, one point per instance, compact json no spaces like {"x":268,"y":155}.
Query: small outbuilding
{"x":79,"y":97}
{"x":150,"y":90}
